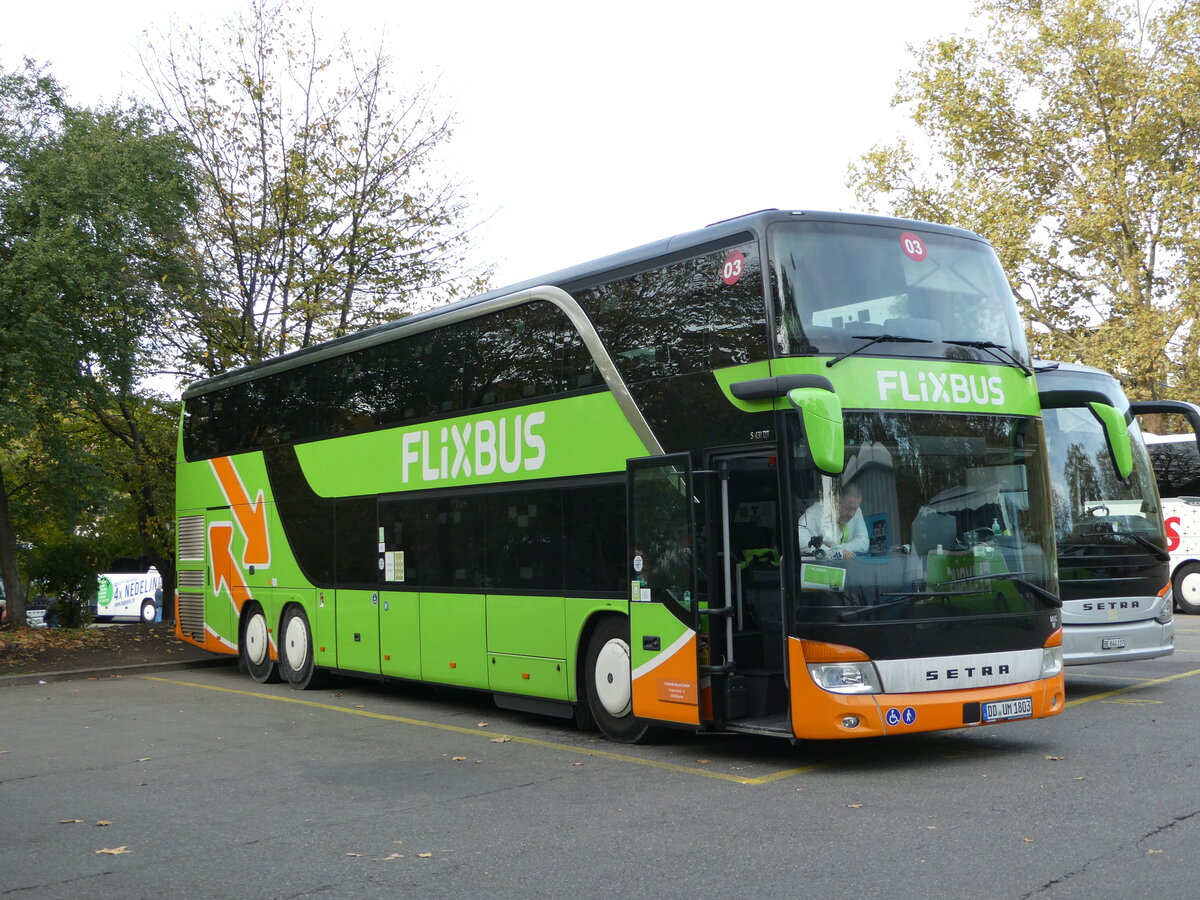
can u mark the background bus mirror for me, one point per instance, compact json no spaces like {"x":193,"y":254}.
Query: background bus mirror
{"x":1189,"y":411}
{"x":1116,"y":432}
{"x":821,"y":419}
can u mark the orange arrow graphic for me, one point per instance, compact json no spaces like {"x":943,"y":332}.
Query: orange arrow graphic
{"x":251,"y":517}
{"x":226,"y":573}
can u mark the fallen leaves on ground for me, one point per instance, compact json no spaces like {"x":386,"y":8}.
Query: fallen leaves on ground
{"x":114,"y":851}
{"x":20,"y":642}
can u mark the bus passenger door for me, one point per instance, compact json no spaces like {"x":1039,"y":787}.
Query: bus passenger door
{"x":663,"y":619}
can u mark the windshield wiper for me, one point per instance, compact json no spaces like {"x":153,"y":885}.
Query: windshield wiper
{"x":992,"y":347}
{"x":1156,"y":551}
{"x":876,"y":339}
{"x":851,"y":614}
{"x":1015,"y":577}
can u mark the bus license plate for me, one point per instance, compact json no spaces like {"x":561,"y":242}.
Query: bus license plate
{"x":999,"y":710}
{"x":1112,"y":643}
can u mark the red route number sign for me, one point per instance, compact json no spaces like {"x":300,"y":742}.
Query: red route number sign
{"x":731,"y":271}
{"x":913,"y":246}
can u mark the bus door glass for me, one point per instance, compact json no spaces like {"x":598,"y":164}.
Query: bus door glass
{"x":746,"y":542}
{"x":663,"y":617}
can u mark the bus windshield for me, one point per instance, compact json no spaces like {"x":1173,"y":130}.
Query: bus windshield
{"x":842,"y":285}
{"x":1092,"y":505}
{"x":930,"y":518}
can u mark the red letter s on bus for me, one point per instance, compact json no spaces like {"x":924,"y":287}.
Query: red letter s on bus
{"x":1172,"y":524}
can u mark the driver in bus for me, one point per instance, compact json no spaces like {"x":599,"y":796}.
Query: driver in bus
{"x":842,"y":530}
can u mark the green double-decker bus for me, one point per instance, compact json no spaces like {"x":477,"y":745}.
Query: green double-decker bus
{"x":750,"y":478}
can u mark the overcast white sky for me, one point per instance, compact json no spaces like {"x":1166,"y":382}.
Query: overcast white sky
{"x":585,"y":129}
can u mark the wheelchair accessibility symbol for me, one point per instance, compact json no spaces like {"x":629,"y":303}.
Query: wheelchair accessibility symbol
{"x":895,"y":716}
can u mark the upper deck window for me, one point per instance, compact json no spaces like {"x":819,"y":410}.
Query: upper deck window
{"x":840,"y":285}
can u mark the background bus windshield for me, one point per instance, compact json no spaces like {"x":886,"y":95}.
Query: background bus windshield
{"x":842,"y":283}
{"x":938,"y":505}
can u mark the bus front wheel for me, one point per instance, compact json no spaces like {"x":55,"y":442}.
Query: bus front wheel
{"x":609,"y":682}
{"x":296,"y":652}
{"x":1186,"y":584}
{"x":254,"y":649}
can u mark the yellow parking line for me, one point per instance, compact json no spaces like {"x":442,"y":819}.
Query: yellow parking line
{"x":492,"y":736}
{"x":1133,"y":687}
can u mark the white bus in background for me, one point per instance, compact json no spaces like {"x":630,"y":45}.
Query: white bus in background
{"x":136,"y":594}
{"x":1176,"y":462}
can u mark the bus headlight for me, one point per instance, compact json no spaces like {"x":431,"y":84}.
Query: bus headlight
{"x":1052,"y":661}
{"x":1167,"y":613}
{"x":846,"y":677}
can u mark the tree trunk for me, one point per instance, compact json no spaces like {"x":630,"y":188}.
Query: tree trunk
{"x":14,"y":595}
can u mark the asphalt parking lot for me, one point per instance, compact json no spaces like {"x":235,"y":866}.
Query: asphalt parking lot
{"x":201,"y":783}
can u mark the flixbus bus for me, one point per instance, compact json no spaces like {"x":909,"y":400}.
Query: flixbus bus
{"x":1113,"y":565}
{"x":585,"y":493}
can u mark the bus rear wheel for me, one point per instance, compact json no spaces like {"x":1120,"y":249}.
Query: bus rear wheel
{"x":609,"y":683}
{"x":1186,"y":585}
{"x":254,"y":649}
{"x":296,"y":661}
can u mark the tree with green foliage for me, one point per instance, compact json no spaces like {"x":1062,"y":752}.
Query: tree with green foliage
{"x":321,"y":214}
{"x":94,"y":263}
{"x":1070,"y":137}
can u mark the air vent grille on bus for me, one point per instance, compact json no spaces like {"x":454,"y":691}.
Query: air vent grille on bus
{"x":191,"y":578}
{"x":191,"y":538}
{"x":191,"y":614}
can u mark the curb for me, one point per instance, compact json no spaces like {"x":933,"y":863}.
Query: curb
{"x":114,"y":671}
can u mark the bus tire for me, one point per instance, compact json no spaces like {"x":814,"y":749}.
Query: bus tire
{"x":608,"y":681}
{"x":296,"y":661}
{"x":1186,"y":588}
{"x":148,"y":611}
{"x":254,"y":649}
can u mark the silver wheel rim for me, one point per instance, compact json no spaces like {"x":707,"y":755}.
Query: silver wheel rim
{"x":613,"y":686}
{"x":256,"y":639}
{"x":295,"y":644}
{"x":1189,"y":588}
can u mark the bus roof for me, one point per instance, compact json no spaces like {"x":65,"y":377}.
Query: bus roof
{"x":747,"y":227}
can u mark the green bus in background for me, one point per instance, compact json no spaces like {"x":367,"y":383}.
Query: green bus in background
{"x":742,"y":479}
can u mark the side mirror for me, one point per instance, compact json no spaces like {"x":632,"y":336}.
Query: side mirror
{"x":1116,"y":430}
{"x":1189,"y":411}
{"x":1117,"y":433}
{"x":821,"y":419}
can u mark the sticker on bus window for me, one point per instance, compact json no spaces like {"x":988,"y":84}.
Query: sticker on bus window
{"x":821,"y":578}
{"x":731,"y":271}
{"x":913,"y":247}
